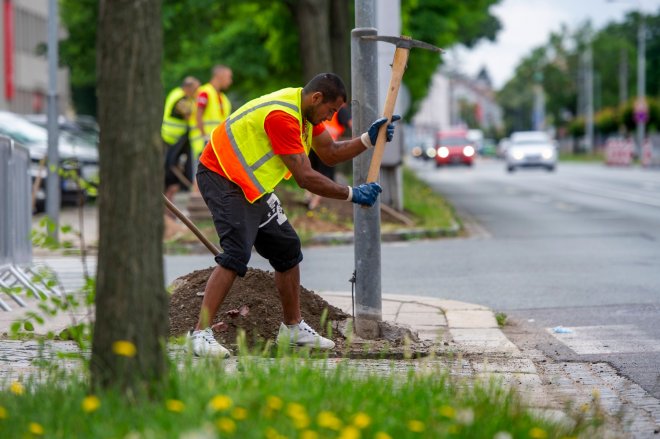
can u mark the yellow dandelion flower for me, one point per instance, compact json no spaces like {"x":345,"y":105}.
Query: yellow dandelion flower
{"x":298,"y":415}
{"x":328,"y":419}
{"x":274,"y":403}
{"x":271,"y":433}
{"x":36,"y":429}
{"x":174,"y":405}
{"x":226,"y":425}
{"x":584,"y":408}
{"x":349,"y":432}
{"x":90,"y":404}
{"x":361,"y":420}
{"x":382,"y":435}
{"x":3,"y":412}
{"x":447,"y":411}
{"x":16,"y":388}
{"x":310,"y":214}
{"x":124,"y":348}
{"x":220,"y":402}
{"x":239,"y":413}
{"x":294,"y":409}
{"x":538,"y":433}
{"x":309,"y":434}
{"x":416,"y":426}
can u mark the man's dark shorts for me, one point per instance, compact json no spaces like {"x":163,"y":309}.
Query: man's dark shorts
{"x":241,"y":225}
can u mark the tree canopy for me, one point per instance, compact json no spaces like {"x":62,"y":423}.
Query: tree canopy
{"x":260,"y":40}
{"x":556,"y":65}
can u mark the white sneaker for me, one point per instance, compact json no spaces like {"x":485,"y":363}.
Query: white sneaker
{"x":303,"y":335}
{"x":203,"y":344}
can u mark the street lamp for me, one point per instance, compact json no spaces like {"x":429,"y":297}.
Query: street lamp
{"x":640,"y":110}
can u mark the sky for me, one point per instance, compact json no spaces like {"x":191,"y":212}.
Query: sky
{"x":527,"y":24}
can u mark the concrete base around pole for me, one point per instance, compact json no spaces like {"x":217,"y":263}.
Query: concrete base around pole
{"x":367,"y":327}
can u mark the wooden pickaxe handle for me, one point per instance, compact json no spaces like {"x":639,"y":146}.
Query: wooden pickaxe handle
{"x":398,"y":67}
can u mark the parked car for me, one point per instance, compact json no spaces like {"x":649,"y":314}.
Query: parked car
{"x":454,"y":147}
{"x":531,"y":149}
{"x":82,"y":126}
{"x":77,"y":155}
{"x":502,"y":147}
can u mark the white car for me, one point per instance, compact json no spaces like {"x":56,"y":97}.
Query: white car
{"x":77,"y":154}
{"x":531,"y":149}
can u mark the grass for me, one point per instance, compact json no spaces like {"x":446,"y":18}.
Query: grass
{"x":594,"y":157}
{"x":430,"y":209}
{"x":501,"y":318}
{"x":279,"y":398}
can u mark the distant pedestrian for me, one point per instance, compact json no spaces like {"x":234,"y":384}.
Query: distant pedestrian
{"x":174,"y":131}
{"x":211,"y":109}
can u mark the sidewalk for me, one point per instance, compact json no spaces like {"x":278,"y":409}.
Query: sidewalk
{"x":471,"y":345}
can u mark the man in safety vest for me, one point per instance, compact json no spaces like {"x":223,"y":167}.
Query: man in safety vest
{"x":211,"y":109}
{"x":267,"y":140}
{"x":174,"y":131}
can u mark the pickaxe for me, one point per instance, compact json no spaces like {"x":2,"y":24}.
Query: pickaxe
{"x":403,"y":45}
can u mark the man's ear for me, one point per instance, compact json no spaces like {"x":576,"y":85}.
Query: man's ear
{"x":317,"y":97}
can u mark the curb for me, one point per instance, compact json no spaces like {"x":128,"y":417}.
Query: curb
{"x":397,"y":235}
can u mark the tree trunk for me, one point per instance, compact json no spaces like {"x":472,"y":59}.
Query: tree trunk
{"x":313,"y":18}
{"x":340,"y":39}
{"x":131,"y":302}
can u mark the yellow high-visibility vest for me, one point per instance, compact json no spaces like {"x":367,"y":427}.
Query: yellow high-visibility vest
{"x":172,"y":127}
{"x":244,"y":150}
{"x":213,"y":115}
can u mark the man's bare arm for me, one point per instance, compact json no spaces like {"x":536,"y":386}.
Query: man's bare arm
{"x":332,"y":153}
{"x":308,"y":178}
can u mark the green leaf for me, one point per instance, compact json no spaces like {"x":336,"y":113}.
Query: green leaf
{"x":28,"y":326}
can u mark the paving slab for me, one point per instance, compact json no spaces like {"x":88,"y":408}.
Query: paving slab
{"x":474,"y":318}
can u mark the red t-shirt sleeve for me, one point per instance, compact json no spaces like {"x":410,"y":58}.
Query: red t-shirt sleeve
{"x":202,"y":100}
{"x":318,"y":129}
{"x":283,"y":131}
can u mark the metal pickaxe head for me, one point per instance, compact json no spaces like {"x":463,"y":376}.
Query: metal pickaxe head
{"x":403,"y":42}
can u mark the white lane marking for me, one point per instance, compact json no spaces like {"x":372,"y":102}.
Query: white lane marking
{"x":607,"y":339}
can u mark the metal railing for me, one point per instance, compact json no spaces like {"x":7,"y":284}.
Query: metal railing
{"x":16,"y":225}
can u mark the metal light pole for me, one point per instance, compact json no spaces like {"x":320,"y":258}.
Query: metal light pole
{"x":53,"y":179}
{"x":364,"y":107}
{"x":641,"y":80}
{"x":589,"y":94}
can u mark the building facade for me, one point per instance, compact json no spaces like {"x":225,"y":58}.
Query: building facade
{"x":23,"y":59}
{"x":456,"y":100}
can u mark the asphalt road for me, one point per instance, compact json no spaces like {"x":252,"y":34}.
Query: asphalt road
{"x":579,"y":248}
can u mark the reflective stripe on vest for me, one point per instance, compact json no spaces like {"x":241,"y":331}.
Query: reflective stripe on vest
{"x":213,"y":115}
{"x":173,"y":128}
{"x":244,"y":150}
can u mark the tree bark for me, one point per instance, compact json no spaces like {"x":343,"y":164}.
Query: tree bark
{"x":313,"y":19}
{"x":131,"y":302}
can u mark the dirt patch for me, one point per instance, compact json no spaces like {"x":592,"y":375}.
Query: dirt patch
{"x":253,"y":305}
{"x":262,"y":317}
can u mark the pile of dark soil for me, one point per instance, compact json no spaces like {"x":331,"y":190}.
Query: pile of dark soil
{"x":252,"y":305}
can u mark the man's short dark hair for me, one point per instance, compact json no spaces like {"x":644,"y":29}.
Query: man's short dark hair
{"x":329,"y":84}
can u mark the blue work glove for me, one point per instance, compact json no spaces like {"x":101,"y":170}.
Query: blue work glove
{"x":365,"y":194}
{"x":369,"y":138}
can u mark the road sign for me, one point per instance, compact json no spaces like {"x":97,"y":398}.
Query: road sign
{"x":641,"y":111}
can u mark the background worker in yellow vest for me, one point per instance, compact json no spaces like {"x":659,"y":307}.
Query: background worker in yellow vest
{"x":174,"y":131}
{"x":212,"y":108}
{"x":265,"y":141}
